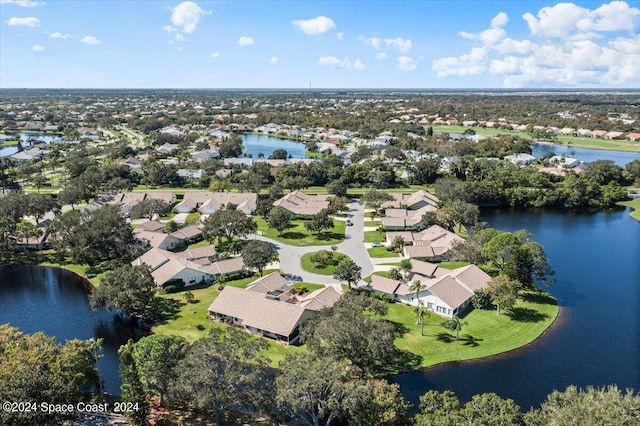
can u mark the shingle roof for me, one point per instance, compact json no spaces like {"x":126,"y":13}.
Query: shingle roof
{"x":255,"y":310}
{"x":272,"y":282}
{"x":321,"y":299}
{"x":450,"y":291}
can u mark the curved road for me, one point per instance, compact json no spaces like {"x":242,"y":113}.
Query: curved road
{"x":353,"y":246}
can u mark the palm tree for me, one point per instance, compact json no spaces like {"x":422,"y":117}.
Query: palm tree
{"x":415,"y":287}
{"x":455,"y":324}
{"x":94,"y":345}
{"x":405,"y":265}
{"x":188,"y":296}
{"x":421,"y":312}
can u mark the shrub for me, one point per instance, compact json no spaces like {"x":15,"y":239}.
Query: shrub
{"x":481,"y":299}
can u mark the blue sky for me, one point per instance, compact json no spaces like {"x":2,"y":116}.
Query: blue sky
{"x":337,"y":44}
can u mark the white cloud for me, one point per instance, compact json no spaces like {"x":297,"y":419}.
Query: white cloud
{"x":358,"y":65}
{"x":31,"y":21}
{"x":245,"y":41}
{"x":469,"y":64}
{"x":37,"y":48}
{"x":169,"y":28}
{"x":23,"y":3}
{"x":570,"y":46}
{"x":403,"y":45}
{"x":339,"y":36}
{"x":315,"y":26}
{"x":492,"y":35}
{"x":186,"y":15}
{"x":381,"y":55}
{"x":563,"y":19}
{"x":60,"y":35}
{"x":215,"y":55}
{"x":500,"y":20}
{"x":180,"y":37}
{"x":276,"y":60}
{"x":345,"y":63}
{"x":90,"y":40}
{"x":406,"y":63}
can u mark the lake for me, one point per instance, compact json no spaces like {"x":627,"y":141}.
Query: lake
{"x":24,"y":138}
{"x":621,"y":158}
{"x":596,"y":339}
{"x":54,"y":301}
{"x":256,"y":144}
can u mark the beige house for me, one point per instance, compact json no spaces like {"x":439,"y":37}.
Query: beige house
{"x":411,"y":201}
{"x":405,"y":219}
{"x":210,"y":202}
{"x":299,"y":203}
{"x":269,"y":308}
{"x":446,"y":292}
{"x":190,"y":268}
{"x":432,"y":243}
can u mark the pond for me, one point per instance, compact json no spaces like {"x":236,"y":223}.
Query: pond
{"x":24,"y":140}
{"x":53,"y":300}
{"x":596,"y":339}
{"x":621,"y":158}
{"x":256,"y":144}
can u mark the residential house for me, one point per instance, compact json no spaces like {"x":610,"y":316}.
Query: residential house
{"x":210,"y":202}
{"x":521,"y":159}
{"x":633,"y":136}
{"x":445,"y":292}
{"x":432,"y":243}
{"x":167,"y":267}
{"x":413,"y":201}
{"x":269,"y":308}
{"x":405,"y":219}
{"x":614,"y":135}
{"x":299,"y":203}
{"x":562,"y":161}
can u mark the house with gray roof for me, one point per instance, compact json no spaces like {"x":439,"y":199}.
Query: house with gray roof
{"x":446,"y":292}
{"x":269,"y":308}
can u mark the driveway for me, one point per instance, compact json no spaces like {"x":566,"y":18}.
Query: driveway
{"x":353,"y":246}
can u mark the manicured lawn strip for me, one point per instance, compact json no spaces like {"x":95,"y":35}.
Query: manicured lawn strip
{"x":311,"y":287}
{"x":484,"y":131}
{"x":298,"y":235}
{"x":635,"y":207}
{"x":374,"y":236}
{"x":9,"y":143}
{"x":316,"y":190}
{"x":309,"y":266}
{"x":202,"y":243}
{"x":192,"y":218}
{"x":375,"y":223}
{"x":452,"y":265}
{"x":381,"y":252}
{"x":486,"y":333}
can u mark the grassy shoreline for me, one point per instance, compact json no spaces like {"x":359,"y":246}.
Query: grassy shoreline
{"x":635,"y":207}
{"x":532,"y":316}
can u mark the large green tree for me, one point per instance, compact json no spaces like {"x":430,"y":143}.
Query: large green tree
{"x":228,"y":223}
{"x":258,"y":254}
{"x":350,"y":330}
{"x":156,"y":358}
{"x":348,"y":271}
{"x":503,"y":291}
{"x":36,"y":368}
{"x":279,"y":219}
{"x":148,"y":208}
{"x":129,"y":289}
{"x":224,"y":371}
{"x":132,"y":388}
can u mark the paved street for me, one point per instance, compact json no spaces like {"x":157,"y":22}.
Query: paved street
{"x":353,"y":246}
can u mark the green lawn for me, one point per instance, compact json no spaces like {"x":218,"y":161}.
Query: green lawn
{"x":298,"y":235}
{"x":381,"y":252}
{"x":486,"y":333}
{"x":452,"y":265}
{"x":374,"y":236}
{"x":635,"y":207}
{"x":192,"y":218}
{"x":9,"y":143}
{"x":581,"y":142}
{"x":309,"y":266}
{"x":192,"y":320}
{"x":375,"y":223}
{"x":311,"y":287}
